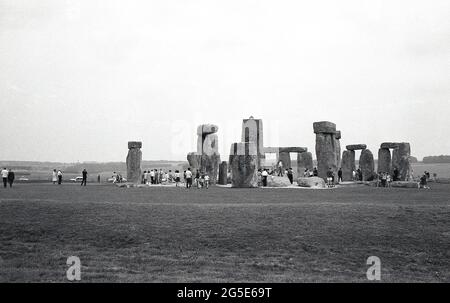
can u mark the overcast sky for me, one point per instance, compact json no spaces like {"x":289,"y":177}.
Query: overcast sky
{"x":78,"y":79}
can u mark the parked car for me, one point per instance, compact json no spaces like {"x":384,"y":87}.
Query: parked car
{"x":77,"y":179}
{"x":24,"y":179}
{"x":111,"y":180}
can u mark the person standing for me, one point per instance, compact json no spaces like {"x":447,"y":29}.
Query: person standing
{"x":188,"y":178}
{"x":98,"y":179}
{"x":264,"y":176}
{"x":206,"y":181}
{"x":280,"y":168}
{"x":84,"y":181}
{"x":11,"y":177}
{"x":54,"y":176}
{"x":340,"y":174}
{"x":290,"y":175}
{"x":177,"y":178}
{"x":329,"y":177}
{"x":59,"y":177}
{"x":5,"y":177}
{"x":315,"y":172}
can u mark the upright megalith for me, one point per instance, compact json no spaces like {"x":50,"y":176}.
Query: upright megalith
{"x":223,"y":173}
{"x":304,"y":162}
{"x":399,"y":164}
{"x":285,"y":159}
{"x":207,"y":157}
{"x":328,"y":148}
{"x":348,"y":165}
{"x":252,"y":131}
{"x":384,"y":160}
{"x":401,"y":161}
{"x":244,"y":165}
{"x":134,"y":159}
{"x":348,"y":160}
{"x":367,"y":165}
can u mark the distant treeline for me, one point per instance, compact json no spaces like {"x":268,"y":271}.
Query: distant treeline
{"x":120,"y":166}
{"x":437,"y":159}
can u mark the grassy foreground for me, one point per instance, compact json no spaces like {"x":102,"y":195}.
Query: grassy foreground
{"x":223,"y":234}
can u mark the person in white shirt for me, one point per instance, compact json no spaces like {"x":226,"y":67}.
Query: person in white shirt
{"x":59,"y":177}
{"x":5,"y":177}
{"x":188,"y":178}
{"x":177,"y":178}
{"x":206,"y":181}
{"x":264,"y":175}
{"x":152,"y":176}
{"x":54,"y":176}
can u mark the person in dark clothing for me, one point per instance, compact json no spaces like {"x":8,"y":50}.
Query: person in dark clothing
{"x":11,"y":178}
{"x":315,"y":172}
{"x":290,"y":175}
{"x":340,"y":174}
{"x":84,"y":181}
{"x":395,"y":177}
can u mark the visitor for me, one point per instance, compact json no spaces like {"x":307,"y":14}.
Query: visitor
{"x":290,"y":175}
{"x":11,"y":177}
{"x":161,"y":175}
{"x":177,"y":178}
{"x":359,"y":174}
{"x":84,"y":181}
{"x":170,"y":176}
{"x":329,"y":176}
{"x":264,"y":175}
{"x":423,"y":182}
{"x":353,"y":175}
{"x":315,"y":172}
{"x":188,"y":178}
{"x":383,"y":179}
{"x":200,"y":181}
{"x":280,"y":169}
{"x":206,"y":181}
{"x":306,"y":173}
{"x":197,"y":177}
{"x":145,"y":177}
{"x":340,"y":174}
{"x":396,"y":173}
{"x":5,"y":177}
{"x":98,"y":178}
{"x":388,"y":180}
{"x":152,"y":176}
{"x":60,"y":175}
{"x":54,"y":176}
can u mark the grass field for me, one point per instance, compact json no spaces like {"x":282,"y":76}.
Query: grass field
{"x":223,"y":234}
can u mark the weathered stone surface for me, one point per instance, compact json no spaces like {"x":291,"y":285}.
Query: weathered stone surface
{"x":210,"y":165}
{"x":223,"y":172}
{"x":328,"y":153}
{"x":206,"y":129}
{"x":348,"y":165}
{"x":252,"y":131}
{"x":292,"y":149}
{"x":304,"y":161}
{"x":389,"y":145}
{"x":367,"y":165}
{"x":356,"y":146}
{"x":405,"y":184}
{"x":194,"y":160}
{"x":400,"y":160}
{"x":134,"y":144}
{"x":313,"y":182}
{"x":285,"y":158}
{"x":134,"y":159}
{"x":324,"y":127}
{"x":210,"y":145}
{"x":244,"y":165}
{"x":275,"y":181}
{"x":384,"y":160}
{"x":338,"y":134}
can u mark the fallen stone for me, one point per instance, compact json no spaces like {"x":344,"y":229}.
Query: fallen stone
{"x":405,"y":184}
{"x":275,"y":181}
{"x":313,"y":182}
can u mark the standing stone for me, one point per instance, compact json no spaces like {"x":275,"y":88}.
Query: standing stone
{"x":348,"y":165}
{"x":244,"y":165}
{"x":328,"y":148}
{"x":384,"y":160}
{"x":252,"y":131}
{"x":194,"y":160}
{"x":367,"y":165}
{"x":401,"y":160}
{"x":223,"y":173}
{"x":284,"y":157}
{"x":304,"y":161}
{"x":134,"y":159}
